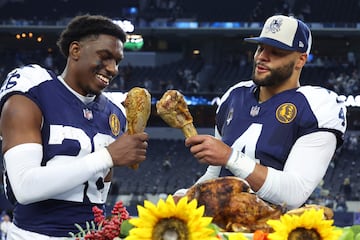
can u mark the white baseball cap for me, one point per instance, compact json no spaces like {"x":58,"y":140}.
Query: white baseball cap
{"x":286,"y":33}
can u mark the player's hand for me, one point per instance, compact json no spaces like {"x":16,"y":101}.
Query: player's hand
{"x":208,"y":149}
{"x":128,"y":149}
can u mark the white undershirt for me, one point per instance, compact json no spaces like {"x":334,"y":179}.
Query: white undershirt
{"x":84,"y":99}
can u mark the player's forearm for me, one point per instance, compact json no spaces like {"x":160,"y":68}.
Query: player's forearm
{"x":287,"y":189}
{"x":257,"y":178}
{"x":32,"y":182}
{"x":305,"y":167}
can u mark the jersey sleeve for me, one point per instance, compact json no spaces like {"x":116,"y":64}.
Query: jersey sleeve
{"x":327,"y":107}
{"x":20,"y":80}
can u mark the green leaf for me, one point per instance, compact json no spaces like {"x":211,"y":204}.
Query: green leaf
{"x":87,"y":227}
{"x":125,"y":228}
{"x":81,"y":230}
{"x":215,"y":228}
{"x":93,"y":225}
{"x":347,"y":234}
{"x":355,"y":229}
{"x":217,"y":231}
{"x":357,"y":236}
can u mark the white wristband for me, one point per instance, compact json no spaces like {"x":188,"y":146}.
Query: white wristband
{"x":240,"y":164}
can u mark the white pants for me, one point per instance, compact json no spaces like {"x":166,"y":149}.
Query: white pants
{"x":15,"y":233}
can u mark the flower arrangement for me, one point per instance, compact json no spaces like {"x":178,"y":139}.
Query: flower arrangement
{"x":185,"y":220}
{"x":104,"y":228}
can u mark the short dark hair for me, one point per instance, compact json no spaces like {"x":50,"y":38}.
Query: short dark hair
{"x":87,"y":25}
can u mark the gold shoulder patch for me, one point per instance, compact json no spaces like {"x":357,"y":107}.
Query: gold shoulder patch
{"x":114,"y":124}
{"x":286,"y":112}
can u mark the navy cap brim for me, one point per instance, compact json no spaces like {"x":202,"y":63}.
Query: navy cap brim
{"x":270,"y":42}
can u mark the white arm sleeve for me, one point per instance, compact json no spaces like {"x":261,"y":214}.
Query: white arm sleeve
{"x":32,"y":182}
{"x":305,"y":167}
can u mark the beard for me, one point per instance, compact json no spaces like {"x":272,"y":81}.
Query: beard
{"x":277,"y":76}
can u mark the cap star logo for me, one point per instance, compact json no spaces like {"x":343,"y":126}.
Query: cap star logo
{"x":286,"y":112}
{"x":275,"y":25}
{"x":114,"y":124}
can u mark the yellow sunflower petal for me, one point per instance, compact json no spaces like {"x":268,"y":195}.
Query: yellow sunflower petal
{"x":170,"y":205}
{"x":164,"y":210}
{"x":182,"y":209}
{"x":182,"y":203}
{"x":152,"y":208}
{"x":135,"y":238}
{"x":204,"y":234}
{"x":149,"y":205}
{"x":237,"y":236}
{"x":146,"y":216}
{"x":170,"y":201}
{"x":140,"y":233}
{"x":193,"y":204}
{"x":199,"y":223}
{"x":199,"y":211}
{"x":136,"y":221}
{"x":140,"y":222}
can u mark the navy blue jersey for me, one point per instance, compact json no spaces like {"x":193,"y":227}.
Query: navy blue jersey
{"x":267,"y":131}
{"x":70,"y":130}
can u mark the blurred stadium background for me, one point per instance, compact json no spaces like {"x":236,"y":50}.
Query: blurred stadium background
{"x":197,"y":47}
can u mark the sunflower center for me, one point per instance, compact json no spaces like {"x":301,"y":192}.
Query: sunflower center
{"x":170,"y":229}
{"x":304,"y":234}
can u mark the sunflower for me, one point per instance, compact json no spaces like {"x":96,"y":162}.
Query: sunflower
{"x":309,"y":225}
{"x":168,"y":220}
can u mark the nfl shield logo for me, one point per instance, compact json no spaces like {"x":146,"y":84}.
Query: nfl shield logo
{"x":88,"y":114}
{"x":254,"y":111}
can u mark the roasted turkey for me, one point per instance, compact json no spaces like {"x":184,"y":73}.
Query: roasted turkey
{"x":232,"y":206}
{"x":138,"y":107}
{"x":173,"y":109}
